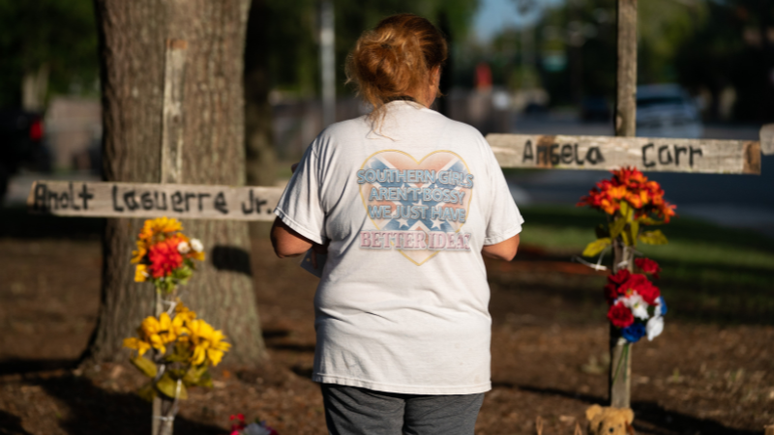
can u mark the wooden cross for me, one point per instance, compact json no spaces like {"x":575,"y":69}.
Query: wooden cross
{"x":249,"y":203}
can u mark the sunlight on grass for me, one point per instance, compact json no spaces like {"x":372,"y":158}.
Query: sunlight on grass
{"x":710,"y":273}
{"x":690,"y":241}
{"x":570,"y":239}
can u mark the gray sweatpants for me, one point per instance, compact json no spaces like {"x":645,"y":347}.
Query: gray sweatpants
{"x":359,"y":411}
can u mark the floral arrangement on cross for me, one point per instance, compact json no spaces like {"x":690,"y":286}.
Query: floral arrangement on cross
{"x":180,"y":347}
{"x":631,"y":203}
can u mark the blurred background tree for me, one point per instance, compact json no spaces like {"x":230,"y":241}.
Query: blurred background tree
{"x":731,"y":56}
{"x":721,"y":51}
{"x":48,"y":46}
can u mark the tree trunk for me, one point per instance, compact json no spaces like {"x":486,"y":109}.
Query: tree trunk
{"x":133,"y":38}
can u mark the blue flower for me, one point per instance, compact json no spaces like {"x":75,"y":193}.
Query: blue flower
{"x":634,"y":332}
{"x":663,"y":305}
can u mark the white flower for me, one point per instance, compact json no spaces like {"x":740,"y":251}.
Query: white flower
{"x":255,"y":429}
{"x":183,"y":248}
{"x":197,"y":246}
{"x":654,"y":327}
{"x":638,"y":306}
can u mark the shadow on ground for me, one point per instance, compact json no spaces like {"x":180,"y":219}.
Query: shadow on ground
{"x":649,"y":416}
{"x":96,"y":411}
{"x":90,"y":410}
{"x":16,"y":366}
{"x":11,"y":424}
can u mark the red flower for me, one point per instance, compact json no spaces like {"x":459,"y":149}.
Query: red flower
{"x":613,"y":288}
{"x":648,"y":266}
{"x":239,"y":425}
{"x":639,"y":283}
{"x":649,"y":292}
{"x":611,"y":293}
{"x":165,"y":257}
{"x":619,"y":277}
{"x":620,"y":316}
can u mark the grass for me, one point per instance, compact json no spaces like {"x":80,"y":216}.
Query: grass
{"x":709,"y":273}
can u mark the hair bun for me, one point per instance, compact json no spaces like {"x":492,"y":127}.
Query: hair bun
{"x":395,"y":59}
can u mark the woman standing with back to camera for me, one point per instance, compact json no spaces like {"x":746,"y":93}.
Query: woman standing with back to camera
{"x":407,"y":202}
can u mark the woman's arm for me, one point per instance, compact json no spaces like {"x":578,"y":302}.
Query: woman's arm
{"x":286,"y":242}
{"x":504,"y":250}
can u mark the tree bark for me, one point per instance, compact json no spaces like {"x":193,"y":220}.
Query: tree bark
{"x":132,"y":50}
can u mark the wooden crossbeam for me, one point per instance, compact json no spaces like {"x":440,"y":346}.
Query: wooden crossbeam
{"x":608,"y":152}
{"x":148,"y":200}
{"x":767,"y":139}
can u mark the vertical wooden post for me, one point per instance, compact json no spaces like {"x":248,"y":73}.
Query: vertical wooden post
{"x":625,"y":125}
{"x":172,"y":123}
{"x":626,"y":77}
{"x":171,"y":173}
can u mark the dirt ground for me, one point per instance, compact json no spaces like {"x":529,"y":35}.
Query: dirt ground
{"x":549,"y":346}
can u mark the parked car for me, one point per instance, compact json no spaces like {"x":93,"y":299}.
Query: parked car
{"x":667,"y":111}
{"x":21,"y":145}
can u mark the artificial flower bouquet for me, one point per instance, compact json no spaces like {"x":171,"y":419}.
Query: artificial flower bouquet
{"x":164,"y":255}
{"x":181,"y":347}
{"x":637,"y":308}
{"x":631,"y":203}
{"x":257,"y":427}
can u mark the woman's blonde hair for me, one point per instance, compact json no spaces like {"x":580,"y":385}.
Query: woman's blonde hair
{"x":395,"y":59}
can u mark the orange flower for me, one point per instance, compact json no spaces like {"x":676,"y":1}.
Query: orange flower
{"x":630,"y":185}
{"x":159,"y":227}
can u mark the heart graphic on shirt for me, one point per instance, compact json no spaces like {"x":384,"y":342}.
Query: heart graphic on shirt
{"x":418,"y":206}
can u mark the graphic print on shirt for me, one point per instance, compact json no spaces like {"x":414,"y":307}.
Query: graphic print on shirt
{"x":417,"y":206}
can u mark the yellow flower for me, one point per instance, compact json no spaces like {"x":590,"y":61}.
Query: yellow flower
{"x":136,"y":343}
{"x":159,"y":332}
{"x":142,"y":249}
{"x":160,"y":225}
{"x":207,"y":343}
{"x":183,"y":313}
{"x":141,"y":273}
{"x":198,"y":255}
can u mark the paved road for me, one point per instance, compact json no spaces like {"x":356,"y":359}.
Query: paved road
{"x":745,"y":201}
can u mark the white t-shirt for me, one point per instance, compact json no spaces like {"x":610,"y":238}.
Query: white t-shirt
{"x":402,"y":305}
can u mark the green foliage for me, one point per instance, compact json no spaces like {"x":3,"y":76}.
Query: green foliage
{"x":59,"y":34}
{"x":145,"y":366}
{"x":655,"y":237}
{"x":665,"y":26}
{"x":596,"y":247}
{"x":704,"y":45}
{"x":617,"y":227}
{"x":291,"y":48}
{"x":171,"y":388}
{"x":147,"y":392}
{"x":197,"y":376}
{"x":728,"y":49}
